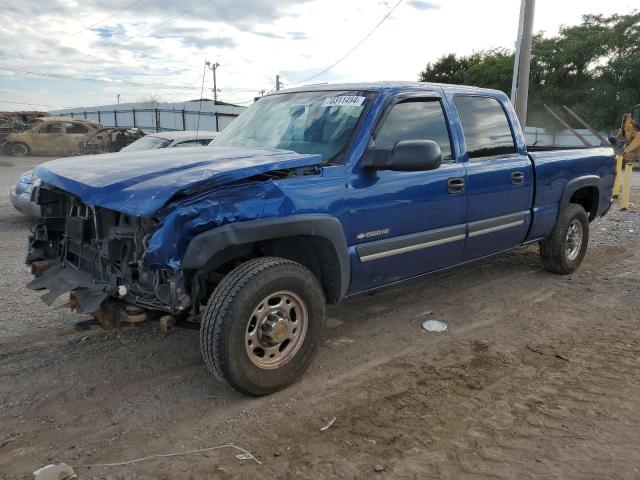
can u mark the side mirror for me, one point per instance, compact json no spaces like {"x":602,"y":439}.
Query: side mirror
{"x":405,"y":156}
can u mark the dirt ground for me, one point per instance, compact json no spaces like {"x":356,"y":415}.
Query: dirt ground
{"x":537,"y":377}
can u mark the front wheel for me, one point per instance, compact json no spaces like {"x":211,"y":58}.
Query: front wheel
{"x":263,"y":325}
{"x":563,"y":250}
{"x":20,"y":149}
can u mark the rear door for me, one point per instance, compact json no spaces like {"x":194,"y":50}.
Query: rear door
{"x":75,"y":134}
{"x":499,"y":177}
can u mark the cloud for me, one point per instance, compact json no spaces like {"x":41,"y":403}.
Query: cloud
{"x":298,"y":75}
{"x":297,"y":35}
{"x":108,"y":32}
{"x":268,"y":35}
{"x":208,"y":42}
{"x":420,"y":5}
{"x":240,"y":13}
{"x":288,"y":35}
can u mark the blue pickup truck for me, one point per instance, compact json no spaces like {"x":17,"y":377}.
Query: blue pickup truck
{"x":311,"y":196}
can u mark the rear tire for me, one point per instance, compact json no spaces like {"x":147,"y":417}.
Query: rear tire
{"x":563,"y":250}
{"x":263,"y":325}
{"x":20,"y":149}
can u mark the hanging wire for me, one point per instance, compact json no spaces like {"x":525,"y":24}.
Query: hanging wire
{"x":204,"y":72}
{"x":353,"y":49}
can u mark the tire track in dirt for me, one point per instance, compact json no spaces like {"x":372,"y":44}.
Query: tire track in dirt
{"x":449,"y":406}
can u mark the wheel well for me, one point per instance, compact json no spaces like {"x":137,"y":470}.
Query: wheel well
{"x":315,"y":253}
{"x":588,"y":198}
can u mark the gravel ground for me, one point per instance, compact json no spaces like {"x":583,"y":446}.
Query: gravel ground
{"x":536,"y":377}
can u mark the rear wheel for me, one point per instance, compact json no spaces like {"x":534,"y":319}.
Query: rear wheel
{"x":20,"y":149}
{"x":563,"y":250}
{"x":263,"y":325}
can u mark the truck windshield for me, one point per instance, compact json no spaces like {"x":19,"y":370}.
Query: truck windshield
{"x":306,"y":122}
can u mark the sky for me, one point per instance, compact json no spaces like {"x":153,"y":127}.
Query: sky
{"x":158,"y":47}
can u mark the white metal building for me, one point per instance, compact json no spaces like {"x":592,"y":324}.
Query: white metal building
{"x":160,"y":116}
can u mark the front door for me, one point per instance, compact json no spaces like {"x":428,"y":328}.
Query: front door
{"x":499,"y":178}
{"x":48,"y":139}
{"x":405,"y":224}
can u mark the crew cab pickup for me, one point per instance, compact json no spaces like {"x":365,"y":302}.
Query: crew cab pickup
{"x":312,"y":195}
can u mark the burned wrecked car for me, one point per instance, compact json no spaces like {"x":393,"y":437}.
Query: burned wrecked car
{"x":109,"y":139}
{"x":51,"y":136}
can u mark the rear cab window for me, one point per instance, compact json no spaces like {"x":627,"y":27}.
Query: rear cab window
{"x":485,"y":126}
{"x":416,"y":119}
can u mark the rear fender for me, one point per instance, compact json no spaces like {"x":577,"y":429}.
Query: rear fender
{"x":578,"y":183}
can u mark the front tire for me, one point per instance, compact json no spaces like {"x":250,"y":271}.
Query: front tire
{"x":563,"y":250}
{"x":20,"y":149}
{"x":263,"y":325}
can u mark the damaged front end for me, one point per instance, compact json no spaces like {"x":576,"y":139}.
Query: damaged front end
{"x":98,"y":255}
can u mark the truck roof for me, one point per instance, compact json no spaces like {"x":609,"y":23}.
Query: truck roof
{"x":390,"y":86}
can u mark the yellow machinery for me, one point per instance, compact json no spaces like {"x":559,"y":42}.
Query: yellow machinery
{"x":627,"y":146}
{"x":629,"y":135}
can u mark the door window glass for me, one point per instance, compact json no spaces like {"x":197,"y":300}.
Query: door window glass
{"x":76,"y":128}
{"x":416,"y":120}
{"x":486,"y":128}
{"x":51,"y":128}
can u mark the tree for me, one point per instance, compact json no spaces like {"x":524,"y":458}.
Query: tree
{"x":593,"y":67}
{"x":153,"y":98}
{"x":490,"y":69}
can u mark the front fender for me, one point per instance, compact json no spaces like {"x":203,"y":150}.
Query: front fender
{"x":204,"y":246}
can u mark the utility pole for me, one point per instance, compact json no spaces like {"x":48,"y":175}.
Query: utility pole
{"x":118,"y":96}
{"x":516,"y":59}
{"x":278,"y":82}
{"x":213,"y":68}
{"x":524,"y":61}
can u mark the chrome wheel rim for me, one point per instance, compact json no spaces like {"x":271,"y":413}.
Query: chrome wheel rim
{"x":19,"y":150}
{"x":276,"y":330}
{"x":574,"y":239}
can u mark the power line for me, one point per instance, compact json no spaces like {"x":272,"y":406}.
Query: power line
{"x":204,"y":72}
{"x":353,"y":48}
{"x":33,"y":104}
{"x":14,"y":88}
{"x":112,"y":82}
{"x":123,"y":42}
{"x":104,"y":19}
{"x":189,"y":10}
{"x":85,"y":79}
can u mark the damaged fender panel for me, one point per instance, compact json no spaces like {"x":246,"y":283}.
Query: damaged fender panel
{"x":202,"y":213}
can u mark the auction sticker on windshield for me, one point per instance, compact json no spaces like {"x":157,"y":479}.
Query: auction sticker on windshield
{"x":343,"y":101}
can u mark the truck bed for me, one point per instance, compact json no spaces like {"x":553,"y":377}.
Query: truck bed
{"x":555,"y":169}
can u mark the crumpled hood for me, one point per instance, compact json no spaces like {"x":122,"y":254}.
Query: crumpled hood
{"x":140,"y":183}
